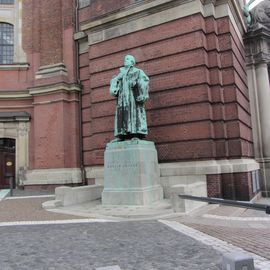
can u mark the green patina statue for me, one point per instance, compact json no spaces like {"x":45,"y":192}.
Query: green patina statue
{"x":260,"y":14}
{"x":247,"y":14}
{"x":130,"y":87}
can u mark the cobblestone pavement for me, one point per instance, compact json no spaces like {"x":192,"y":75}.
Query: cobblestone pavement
{"x":145,"y":245}
{"x":250,"y":232}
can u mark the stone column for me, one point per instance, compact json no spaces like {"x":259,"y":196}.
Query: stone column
{"x":255,"y":117}
{"x":264,"y":106}
{"x":258,"y":59}
{"x":263,"y":93}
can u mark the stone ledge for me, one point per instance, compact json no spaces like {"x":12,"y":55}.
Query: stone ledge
{"x":14,"y":67}
{"x":208,"y":167}
{"x":184,"y":205}
{"x":77,"y":195}
{"x":59,"y":176}
{"x":54,"y":88}
{"x":178,"y":171}
{"x":51,"y":70}
{"x":15,"y":117}
{"x":52,"y":204}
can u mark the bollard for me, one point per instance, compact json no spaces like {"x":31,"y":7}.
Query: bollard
{"x":9,"y":176}
{"x":237,"y":261}
{"x":11,"y":185}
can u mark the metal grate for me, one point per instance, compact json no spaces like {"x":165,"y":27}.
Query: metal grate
{"x":6,"y":43}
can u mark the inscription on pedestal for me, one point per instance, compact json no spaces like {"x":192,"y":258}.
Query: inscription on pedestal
{"x":131,"y":174}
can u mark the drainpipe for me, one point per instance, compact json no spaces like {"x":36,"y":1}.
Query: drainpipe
{"x":83,"y":173}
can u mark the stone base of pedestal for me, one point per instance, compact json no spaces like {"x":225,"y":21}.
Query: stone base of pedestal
{"x":131,"y":174}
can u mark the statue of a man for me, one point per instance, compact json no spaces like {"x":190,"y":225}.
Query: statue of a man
{"x":260,"y":14}
{"x":130,"y":87}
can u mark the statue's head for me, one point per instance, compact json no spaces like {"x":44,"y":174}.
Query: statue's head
{"x":129,"y":61}
{"x":267,"y":11}
{"x":261,"y":13}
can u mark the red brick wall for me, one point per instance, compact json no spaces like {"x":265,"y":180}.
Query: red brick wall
{"x":198,"y":108}
{"x":48,"y":28}
{"x":214,"y":185}
{"x":55,"y":131}
{"x":98,"y":8}
{"x":47,"y":38}
{"x":236,"y":186}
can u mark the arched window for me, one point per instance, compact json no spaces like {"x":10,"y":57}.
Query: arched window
{"x":6,"y":43}
{"x":6,"y":2}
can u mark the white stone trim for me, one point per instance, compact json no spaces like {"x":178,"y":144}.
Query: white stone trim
{"x":83,"y":46}
{"x":22,"y":66}
{"x":155,"y":13}
{"x":236,"y":218}
{"x":29,"y":197}
{"x":51,"y":70}
{"x":208,"y":167}
{"x":54,"y":88}
{"x":49,"y":222}
{"x":59,"y":176}
{"x":15,"y":95}
{"x":96,"y":172}
{"x":193,"y":167}
{"x":187,"y":172}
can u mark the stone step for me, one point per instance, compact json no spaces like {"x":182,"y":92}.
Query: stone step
{"x":52,"y":204}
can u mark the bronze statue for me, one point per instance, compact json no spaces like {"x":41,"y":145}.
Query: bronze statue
{"x":130,"y":87}
{"x":259,"y":15}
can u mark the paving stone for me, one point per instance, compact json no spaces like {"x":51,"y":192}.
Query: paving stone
{"x":113,"y":267}
{"x":147,"y":245}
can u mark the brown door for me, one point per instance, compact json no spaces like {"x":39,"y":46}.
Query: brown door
{"x":7,"y":162}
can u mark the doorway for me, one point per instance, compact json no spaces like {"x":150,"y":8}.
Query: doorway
{"x":7,"y":162}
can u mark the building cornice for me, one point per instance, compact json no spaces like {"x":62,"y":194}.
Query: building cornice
{"x":153,"y":13}
{"x":59,"y":87}
{"x":14,"y":117}
{"x":19,"y":66}
{"x":154,"y":6}
{"x":9,"y":94}
{"x":40,"y":90}
{"x":51,"y":70}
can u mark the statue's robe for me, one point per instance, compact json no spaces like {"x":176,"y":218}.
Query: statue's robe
{"x":130,"y":87}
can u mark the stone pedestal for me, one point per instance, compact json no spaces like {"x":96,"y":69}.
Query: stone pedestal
{"x":131,"y":174}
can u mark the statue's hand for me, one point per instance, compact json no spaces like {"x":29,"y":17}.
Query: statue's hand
{"x":246,"y":10}
{"x":141,"y":99}
{"x":114,"y":92}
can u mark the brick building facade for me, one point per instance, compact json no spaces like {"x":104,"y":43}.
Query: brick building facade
{"x":199,"y":109}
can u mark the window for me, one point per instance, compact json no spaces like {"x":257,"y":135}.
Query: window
{"x":6,"y":2}
{"x":6,"y":143}
{"x":6,"y":43}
